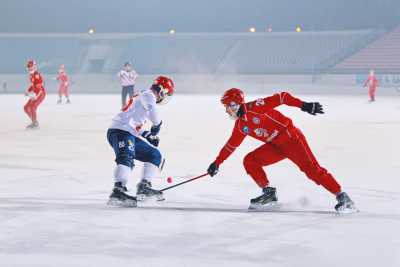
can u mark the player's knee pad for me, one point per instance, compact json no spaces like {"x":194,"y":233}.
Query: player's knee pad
{"x":126,"y":159}
{"x":155,"y":157}
{"x":36,"y":103}
{"x":255,"y":170}
{"x":249,"y":162}
{"x":27,"y":108}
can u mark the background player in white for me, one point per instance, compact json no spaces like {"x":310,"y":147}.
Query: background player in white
{"x":126,"y":134}
{"x":127,"y":77}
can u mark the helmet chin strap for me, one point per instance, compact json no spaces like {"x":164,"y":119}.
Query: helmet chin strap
{"x":233,"y":116}
{"x":236,"y":111}
{"x":162,"y":97}
{"x":232,"y":111}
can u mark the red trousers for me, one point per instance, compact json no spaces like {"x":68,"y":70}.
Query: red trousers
{"x":32,"y":105}
{"x":371,"y":92}
{"x":63,"y":90}
{"x":295,"y":149}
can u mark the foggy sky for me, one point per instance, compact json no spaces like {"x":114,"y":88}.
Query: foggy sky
{"x":195,"y":16}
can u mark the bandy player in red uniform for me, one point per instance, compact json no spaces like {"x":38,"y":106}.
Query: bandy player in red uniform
{"x":372,"y":83}
{"x":36,"y":92}
{"x":282,"y":140}
{"x":63,"y":88}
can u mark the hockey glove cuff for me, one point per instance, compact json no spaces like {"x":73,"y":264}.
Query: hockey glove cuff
{"x":313,"y":108}
{"x":212,"y":169}
{"x":151,"y":138}
{"x":155,"y":129}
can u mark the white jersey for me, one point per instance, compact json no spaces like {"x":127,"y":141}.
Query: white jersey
{"x":127,"y":78}
{"x":142,"y":108}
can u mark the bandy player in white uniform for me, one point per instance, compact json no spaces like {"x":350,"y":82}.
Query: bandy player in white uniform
{"x":126,"y":134}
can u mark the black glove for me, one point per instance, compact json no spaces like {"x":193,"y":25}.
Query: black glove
{"x":313,"y":108}
{"x":155,"y":129}
{"x":212,"y":169}
{"x":151,"y":138}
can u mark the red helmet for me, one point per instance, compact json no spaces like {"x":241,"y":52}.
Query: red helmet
{"x":232,"y":96}
{"x":30,"y":63}
{"x":233,"y":99}
{"x":164,"y":87}
{"x":31,"y":66}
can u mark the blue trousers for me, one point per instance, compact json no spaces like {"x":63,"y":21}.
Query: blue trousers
{"x":126,"y":90}
{"x":128,"y":147}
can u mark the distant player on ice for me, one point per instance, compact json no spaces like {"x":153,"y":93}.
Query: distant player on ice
{"x":372,"y":83}
{"x":63,"y":88}
{"x":127,"y":77}
{"x":282,"y":140}
{"x":131,"y":142}
{"x":36,"y":93}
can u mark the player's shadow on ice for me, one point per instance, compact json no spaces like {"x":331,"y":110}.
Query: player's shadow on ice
{"x":33,"y":204}
{"x":234,"y":210}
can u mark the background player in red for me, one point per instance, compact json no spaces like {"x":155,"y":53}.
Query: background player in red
{"x":282,"y":140}
{"x":63,"y":88}
{"x":36,"y":93}
{"x":372,"y":83}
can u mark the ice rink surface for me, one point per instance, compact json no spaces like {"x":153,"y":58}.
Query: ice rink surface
{"x":55,"y":182}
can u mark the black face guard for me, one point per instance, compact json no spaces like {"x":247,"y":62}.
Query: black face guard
{"x":163,"y":97}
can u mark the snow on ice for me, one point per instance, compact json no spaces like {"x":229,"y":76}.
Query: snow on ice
{"x":55,"y":183}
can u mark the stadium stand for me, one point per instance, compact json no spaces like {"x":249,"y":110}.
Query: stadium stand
{"x":49,"y":52}
{"x":184,"y":53}
{"x":383,"y":55}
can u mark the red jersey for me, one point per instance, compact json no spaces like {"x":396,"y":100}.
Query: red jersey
{"x":36,"y":83}
{"x":263,"y":123}
{"x":371,"y":81}
{"x":63,"y":77}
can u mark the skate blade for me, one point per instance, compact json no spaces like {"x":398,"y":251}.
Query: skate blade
{"x":140,"y":198}
{"x":266,"y":207}
{"x":143,"y":198}
{"x":347,"y":210}
{"x":118,"y":203}
{"x":160,"y":197}
{"x":32,"y":128}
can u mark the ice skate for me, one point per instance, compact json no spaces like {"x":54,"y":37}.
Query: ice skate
{"x":32,"y":126}
{"x":29,"y":126}
{"x":145,"y":191}
{"x":345,"y":204}
{"x":119,"y":197}
{"x":267,"y":200}
{"x":35,"y":125}
{"x":59,"y":101}
{"x":68,"y":101}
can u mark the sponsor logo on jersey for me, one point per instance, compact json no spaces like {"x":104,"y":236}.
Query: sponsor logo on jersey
{"x":273,"y":135}
{"x":130,"y":145}
{"x":256,"y":120}
{"x":246,"y":129}
{"x":261,"y":132}
{"x":121,"y":144}
{"x":260,"y":102}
